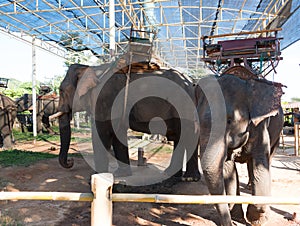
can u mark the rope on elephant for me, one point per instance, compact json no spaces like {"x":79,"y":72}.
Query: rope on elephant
{"x":126,"y":90}
{"x":241,"y":72}
{"x":139,"y":67}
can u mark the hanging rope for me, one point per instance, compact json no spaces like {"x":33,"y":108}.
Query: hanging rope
{"x":212,"y":31}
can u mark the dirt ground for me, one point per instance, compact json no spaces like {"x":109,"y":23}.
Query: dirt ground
{"x":47,"y":175}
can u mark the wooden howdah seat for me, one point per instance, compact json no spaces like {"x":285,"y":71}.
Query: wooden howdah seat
{"x":242,"y":47}
{"x":260,"y":55}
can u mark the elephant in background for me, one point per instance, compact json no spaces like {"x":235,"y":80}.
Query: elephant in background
{"x":8,"y":113}
{"x":240,"y":121}
{"x":46,"y":106}
{"x":82,"y":89}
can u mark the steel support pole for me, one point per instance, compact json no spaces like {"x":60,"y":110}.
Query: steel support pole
{"x":34,"y":110}
{"x":112,"y":29}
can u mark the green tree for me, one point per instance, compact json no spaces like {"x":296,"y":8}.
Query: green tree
{"x":17,"y":89}
{"x":55,"y":82}
{"x":295,"y":99}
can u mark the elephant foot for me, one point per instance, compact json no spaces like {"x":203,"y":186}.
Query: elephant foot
{"x":168,"y":171}
{"x":191,"y":176}
{"x":170,"y":182}
{"x":123,"y":172}
{"x":257,"y":215}
{"x":249,"y":185}
{"x":66,"y":163}
{"x":237,"y":214}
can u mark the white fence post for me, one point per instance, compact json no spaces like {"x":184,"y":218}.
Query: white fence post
{"x":101,"y":212}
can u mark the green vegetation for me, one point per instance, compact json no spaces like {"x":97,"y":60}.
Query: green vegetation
{"x":6,"y":220}
{"x":295,"y":99}
{"x":25,"y":158}
{"x":28,"y":136}
{"x":17,"y":89}
{"x":162,"y":149}
{"x":22,"y":158}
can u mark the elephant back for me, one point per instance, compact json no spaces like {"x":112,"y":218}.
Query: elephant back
{"x":147,"y":86}
{"x":241,"y":72}
{"x":7,"y":103}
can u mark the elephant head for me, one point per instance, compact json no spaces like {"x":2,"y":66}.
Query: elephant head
{"x":68,"y":93}
{"x":243,"y":102}
{"x":24,"y":102}
{"x":76,"y":94}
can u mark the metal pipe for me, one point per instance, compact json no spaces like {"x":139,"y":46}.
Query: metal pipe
{"x":112,"y":28}
{"x":34,"y":110}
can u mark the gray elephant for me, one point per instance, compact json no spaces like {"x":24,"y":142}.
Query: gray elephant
{"x":8,"y":113}
{"x":240,"y":121}
{"x":46,"y":105}
{"x":158,"y":101}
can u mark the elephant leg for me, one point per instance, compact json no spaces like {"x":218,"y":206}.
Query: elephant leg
{"x":260,"y":174}
{"x":22,"y":127}
{"x":260,"y":184}
{"x":39,"y":124}
{"x":46,"y":124}
{"x":120,"y":148}
{"x":176,"y":163}
{"x":1,"y":140}
{"x":7,"y":138}
{"x":231,"y":180}
{"x":191,"y":140}
{"x":102,"y":141}
{"x":192,"y":169}
{"x":249,"y":169}
{"x":212,"y":160}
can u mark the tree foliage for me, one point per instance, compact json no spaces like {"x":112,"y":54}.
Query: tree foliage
{"x":295,"y":99}
{"x":17,"y":89}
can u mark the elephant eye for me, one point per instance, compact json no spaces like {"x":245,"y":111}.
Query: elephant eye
{"x":229,"y":121}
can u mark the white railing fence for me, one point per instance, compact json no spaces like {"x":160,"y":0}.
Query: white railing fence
{"x":102,"y":198}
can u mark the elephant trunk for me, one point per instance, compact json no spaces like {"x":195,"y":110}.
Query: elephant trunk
{"x":65,"y":138}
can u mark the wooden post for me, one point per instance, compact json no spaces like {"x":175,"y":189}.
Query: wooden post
{"x":296,"y":134}
{"x":141,"y":157}
{"x":101,"y":212}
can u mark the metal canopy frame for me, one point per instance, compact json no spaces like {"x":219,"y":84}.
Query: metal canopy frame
{"x":78,"y":25}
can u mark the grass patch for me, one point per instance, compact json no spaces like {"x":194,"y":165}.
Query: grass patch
{"x":6,"y":220}
{"x":162,"y":149}
{"x":28,"y":136}
{"x":26,"y":158}
{"x":81,"y":130}
{"x":81,"y":139}
{"x":22,"y":158}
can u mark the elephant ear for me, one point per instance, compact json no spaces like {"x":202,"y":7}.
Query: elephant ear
{"x":87,"y":80}
{"x":264,"y":99}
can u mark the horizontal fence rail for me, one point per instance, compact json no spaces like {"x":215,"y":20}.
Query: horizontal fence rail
{"x":151,"y":198}
{"x":204,"y":199}
{"x":47,"y":196}
{"x":102,"y":198}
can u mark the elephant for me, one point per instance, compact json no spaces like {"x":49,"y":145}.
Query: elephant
{"x":46,"y":106}
{"x":239,"y":121}
{"x":8,"y":113}
{"x":149,"y":105}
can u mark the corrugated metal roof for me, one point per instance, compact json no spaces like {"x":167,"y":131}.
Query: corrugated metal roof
{"x":84,"y":24}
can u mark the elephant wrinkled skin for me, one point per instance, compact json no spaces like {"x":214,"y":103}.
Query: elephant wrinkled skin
{"x":8,"y":113}
{"x":149,"y":106}
{"x":240,"y":121}
{"x":46,"y":105}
